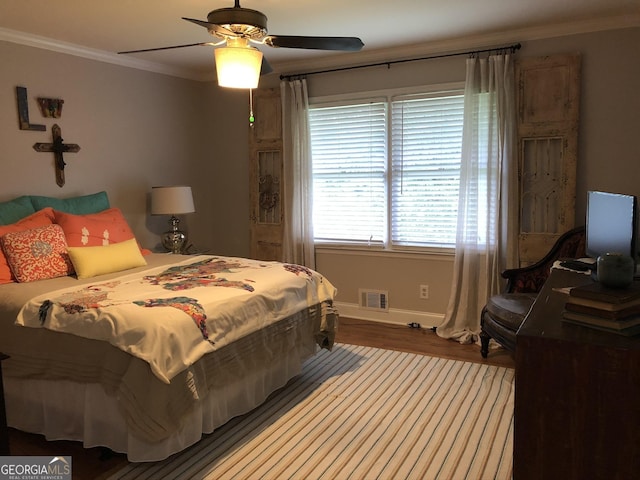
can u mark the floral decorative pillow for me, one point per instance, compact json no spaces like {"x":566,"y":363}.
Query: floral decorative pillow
{"x":38,"y":219}
{"x":37,"y":254}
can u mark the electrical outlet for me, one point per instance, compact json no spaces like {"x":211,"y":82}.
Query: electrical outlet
{"x":424,"y":291}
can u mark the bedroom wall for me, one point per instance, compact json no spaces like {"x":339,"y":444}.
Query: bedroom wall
{"x":222,"y":172}
{"x":135,"y":129}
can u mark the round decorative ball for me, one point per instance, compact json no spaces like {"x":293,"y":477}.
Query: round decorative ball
{"x":615,"y":270}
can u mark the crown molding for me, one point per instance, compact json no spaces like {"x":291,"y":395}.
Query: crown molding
{"x":480,"y":41}
{"x":471,"y":42}
{"x":45,"y":43}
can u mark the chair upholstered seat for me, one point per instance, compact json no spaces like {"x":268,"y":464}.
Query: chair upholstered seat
{"x":509,"y":309}
{"x":504,"y":313}
{"x":502,"y":316}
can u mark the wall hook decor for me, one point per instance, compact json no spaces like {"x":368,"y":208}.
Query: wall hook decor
{"x":51,"y":107}
{"x":58,"y":148}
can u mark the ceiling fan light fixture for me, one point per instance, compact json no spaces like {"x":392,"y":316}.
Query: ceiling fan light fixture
{"x":238,"y":67}
{"x":238,"y":64}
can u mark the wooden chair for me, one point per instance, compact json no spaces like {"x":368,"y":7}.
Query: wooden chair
{"x":504,"y":313}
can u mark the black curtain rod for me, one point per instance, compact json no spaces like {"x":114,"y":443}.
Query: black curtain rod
{"x":513,"y":48}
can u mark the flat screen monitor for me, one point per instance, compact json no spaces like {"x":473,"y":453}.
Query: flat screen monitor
{"x":611,"y":224}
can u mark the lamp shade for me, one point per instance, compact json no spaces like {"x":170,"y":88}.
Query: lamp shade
{"x":238,"y":67}
{"x":171,"y":200}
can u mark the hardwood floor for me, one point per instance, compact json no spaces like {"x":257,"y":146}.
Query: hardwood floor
{"x":97,"y":463}
{"x":415,"y":340}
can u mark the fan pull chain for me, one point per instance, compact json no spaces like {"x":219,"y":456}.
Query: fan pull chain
{"x":252,"y":119}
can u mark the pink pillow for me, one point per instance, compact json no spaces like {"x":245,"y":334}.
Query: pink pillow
{"x":37,"y":254}
{"x":94,"y":229}
{"x":40,"y":218}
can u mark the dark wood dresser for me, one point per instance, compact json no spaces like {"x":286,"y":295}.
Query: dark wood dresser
{"x":577,"y":395}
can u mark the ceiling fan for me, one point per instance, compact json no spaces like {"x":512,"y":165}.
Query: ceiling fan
{"x":237,"y":27}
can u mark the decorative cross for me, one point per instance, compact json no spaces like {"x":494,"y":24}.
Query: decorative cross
{"x":58,"y":148}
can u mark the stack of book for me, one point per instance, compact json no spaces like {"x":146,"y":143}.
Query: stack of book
{"x":612,"y":310}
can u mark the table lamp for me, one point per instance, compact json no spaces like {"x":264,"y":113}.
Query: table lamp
{"x":172,"y":201}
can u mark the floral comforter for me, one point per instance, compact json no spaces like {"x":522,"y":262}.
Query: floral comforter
{"x":171,"y":316}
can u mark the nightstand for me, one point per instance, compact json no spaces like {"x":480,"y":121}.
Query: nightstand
{"x":4,"y":431}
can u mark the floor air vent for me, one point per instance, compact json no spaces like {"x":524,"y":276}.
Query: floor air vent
{"x":374,"y":299}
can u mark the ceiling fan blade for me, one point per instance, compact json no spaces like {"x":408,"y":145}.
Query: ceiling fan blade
{"x":202,"y":23}
{"x":265,"y":67}
{"x":201,"y":44}
{"x":350,"y":44}
{"x":211,"y":26}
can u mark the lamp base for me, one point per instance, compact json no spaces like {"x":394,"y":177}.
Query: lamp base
{"x":174,"y":240}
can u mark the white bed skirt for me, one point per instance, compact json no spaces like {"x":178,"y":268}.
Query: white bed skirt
{"x":66,"y":410}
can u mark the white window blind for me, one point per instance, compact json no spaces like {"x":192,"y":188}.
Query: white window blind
{"x":426,"y":152}
{"x":387,"y":172}
{"x":348,"y":148}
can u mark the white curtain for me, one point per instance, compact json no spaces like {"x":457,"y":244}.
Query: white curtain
{"x":488,"y":205}
{"x":298,"y":245}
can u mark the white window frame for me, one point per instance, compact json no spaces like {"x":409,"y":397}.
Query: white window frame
{"x":386,"y":96}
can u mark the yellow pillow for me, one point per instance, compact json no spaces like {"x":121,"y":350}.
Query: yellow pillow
{"x":91,"y":261}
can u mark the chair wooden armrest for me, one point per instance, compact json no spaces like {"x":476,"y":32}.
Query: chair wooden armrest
{"x":530,"y":279}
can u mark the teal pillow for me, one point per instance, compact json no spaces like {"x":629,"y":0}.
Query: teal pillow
{"x":16,"y":209}
{"x":83,"y":205}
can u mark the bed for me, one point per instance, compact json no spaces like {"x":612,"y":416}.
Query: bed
{"x":146,"y":359}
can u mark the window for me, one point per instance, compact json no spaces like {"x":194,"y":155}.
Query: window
{"x":349,"y":154}
{"x":386,"y":171}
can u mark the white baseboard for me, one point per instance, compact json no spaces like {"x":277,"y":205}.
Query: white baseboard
{"x":393,"y":315}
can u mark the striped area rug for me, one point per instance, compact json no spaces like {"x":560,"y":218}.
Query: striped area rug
{"x":363,"y":413}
